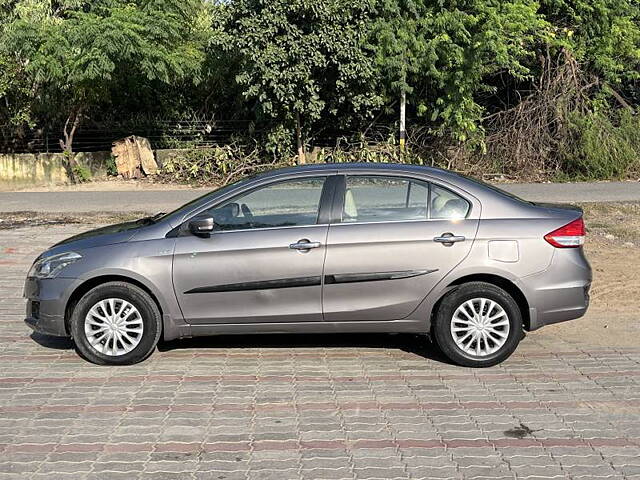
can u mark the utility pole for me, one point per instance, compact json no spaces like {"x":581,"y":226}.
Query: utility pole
{"x":301,"y":154}
{"x":403,"y":131}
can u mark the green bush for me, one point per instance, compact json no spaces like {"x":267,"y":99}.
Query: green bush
{"x":216,"y":166}
{"x":112,"y":169}
{"x":81,"y":173}
{"x":606,"y":145}
{"x":370,"y":153}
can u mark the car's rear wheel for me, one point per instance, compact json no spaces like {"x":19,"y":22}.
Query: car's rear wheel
{"x":116,"y":323}
{"x":478,"y":325}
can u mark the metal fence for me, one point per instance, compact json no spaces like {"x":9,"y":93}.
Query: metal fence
{"x":92,"y":137}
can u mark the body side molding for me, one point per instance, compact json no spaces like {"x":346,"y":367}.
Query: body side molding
{"x":260,"y":285}
{"x":374,"y":277}
{"x":309,"y":281}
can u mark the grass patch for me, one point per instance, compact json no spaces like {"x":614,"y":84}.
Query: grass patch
{"x":622,"y":220}
{"x":26,"y":219}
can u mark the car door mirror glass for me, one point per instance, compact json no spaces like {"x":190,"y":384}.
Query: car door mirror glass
{"x":201,"y":225}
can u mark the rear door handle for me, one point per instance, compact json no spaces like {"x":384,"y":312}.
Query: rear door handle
{"x":448,"y":239}
{"x":304,"y":244}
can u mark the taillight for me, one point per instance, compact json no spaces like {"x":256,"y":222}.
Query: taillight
{"x":569,"y":236}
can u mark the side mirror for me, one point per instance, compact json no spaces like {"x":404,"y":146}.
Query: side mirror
{"x":201,"y":225}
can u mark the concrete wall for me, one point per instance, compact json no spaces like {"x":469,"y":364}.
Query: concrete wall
{"x":29,"y":169}
{"x":25,"y":169}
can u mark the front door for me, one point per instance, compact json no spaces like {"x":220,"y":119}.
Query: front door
{"x":396,"y":239}
{"x":263,"y":263}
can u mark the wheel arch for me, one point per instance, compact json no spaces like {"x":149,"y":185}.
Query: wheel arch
{"x":93,"y":282}
{"x":499,"y":281}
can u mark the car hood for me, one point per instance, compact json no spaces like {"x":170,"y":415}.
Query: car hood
{"x":118,"y":233}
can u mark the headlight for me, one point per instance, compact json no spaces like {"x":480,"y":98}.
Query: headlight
{"x":49,"y":267}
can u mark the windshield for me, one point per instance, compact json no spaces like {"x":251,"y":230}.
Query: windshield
{"x":184,"y":208}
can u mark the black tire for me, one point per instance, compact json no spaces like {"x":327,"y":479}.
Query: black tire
{"x":149,"y":312}
{"x":441,"y":330}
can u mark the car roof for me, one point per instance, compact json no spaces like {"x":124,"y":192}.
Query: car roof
{"x":354,"y":166}
{"x":473,"y":187}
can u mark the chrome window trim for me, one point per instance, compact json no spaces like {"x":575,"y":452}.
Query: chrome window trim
{"x":422,"y":220}
{"x":218,"y":232}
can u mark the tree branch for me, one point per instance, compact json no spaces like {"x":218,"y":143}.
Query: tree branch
{"x":619,"y":98}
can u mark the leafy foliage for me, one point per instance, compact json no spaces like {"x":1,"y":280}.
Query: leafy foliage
{"x":604,"y":34}
{"x":72,"y":53}
{"x":443,"y":52}
{"x":111,"y":166}
{"x":303,"y":60}
{"x":481,"y":77}
{"x":607,"y":145}
{"x":82,"y":173}
{"x":220,"y":165}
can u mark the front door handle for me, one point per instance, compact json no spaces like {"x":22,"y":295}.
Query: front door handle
{"x":448,"y":239}
{"x":304,"y":244}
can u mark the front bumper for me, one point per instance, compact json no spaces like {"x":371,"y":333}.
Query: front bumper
{"x":46,"y":303}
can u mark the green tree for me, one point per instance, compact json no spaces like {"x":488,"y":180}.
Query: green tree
{"x":303,"y":60}
{"x":604,"y":36}
{"x":16,"y":88}
{"x":442,"y":53}
{"x":73,"y":52}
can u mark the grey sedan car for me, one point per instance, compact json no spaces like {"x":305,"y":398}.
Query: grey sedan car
{"x":330,"y":248}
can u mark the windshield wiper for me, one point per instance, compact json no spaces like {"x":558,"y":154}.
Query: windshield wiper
{"x":152,"y":219}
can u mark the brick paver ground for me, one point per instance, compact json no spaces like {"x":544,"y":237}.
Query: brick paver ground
{"x":288,"y":407}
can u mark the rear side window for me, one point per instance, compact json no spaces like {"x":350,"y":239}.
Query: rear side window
{"x":384,"y":199}
{"x":446,"y":205}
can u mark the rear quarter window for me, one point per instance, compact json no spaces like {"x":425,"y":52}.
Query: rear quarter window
{"x":446,"y":205}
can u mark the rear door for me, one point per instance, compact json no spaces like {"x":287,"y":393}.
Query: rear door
{"x":396,"y":238}
{"x":263,"y":263}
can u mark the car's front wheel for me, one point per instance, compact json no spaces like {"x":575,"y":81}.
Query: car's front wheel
{"x":478,"y":325}
{"x":116,"y":323}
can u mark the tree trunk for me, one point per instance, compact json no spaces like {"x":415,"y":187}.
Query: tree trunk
{"x":69,"y":131}
{"x":302,"y":159}
{"x":403,"y":131}
{"x":70,"y":127}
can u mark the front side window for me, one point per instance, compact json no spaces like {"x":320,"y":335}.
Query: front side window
{"x":284,"y":204}
{"x":384,"y":199}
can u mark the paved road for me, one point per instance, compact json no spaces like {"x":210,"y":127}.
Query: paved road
{"x":152,"y":201}
{"x":298,"y":408}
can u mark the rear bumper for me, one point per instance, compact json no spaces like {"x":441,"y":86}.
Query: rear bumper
{"x":46,"y":303}
{"x":561,"y":292}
